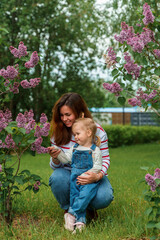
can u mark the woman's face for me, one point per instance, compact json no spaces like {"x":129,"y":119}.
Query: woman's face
{"x":67,"y":116}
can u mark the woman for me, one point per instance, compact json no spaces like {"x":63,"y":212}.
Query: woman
{"x":65,"y":111}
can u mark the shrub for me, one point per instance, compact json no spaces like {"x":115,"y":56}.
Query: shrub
{"x":120,"y":135}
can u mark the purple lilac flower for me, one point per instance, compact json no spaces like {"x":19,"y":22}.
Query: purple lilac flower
{"x":10,"y":73}
{"x":113,"y":88}
{"x":37,"y":132}
{"x":110,"y":57}
{"x":21,"y":120}
{"x":33,"y":60}
{"x":36,"y":146}
{"x":157,"y":173}
{"x":1,"y":184}
{"x":29,"y":115}
{"x":43,"y":118}
{"x":151,"y":179}
{"x":30,"y":126}
{"x":9,"y":142}
{"x":44,"y":131}
{"x":130,"y":67}
{"x":20,"y":52}
{"x":31,"y":84}
{"x":3,"y":122}
{"x":126,"y":33}
{"x":6,"y":83}
{"x":157,"y":52}
{"x":36,"y":186}
{"x":0,"y":168}
{"x":148,"y":16}
{"x":15,"y":88}
{"x":134,"y":102}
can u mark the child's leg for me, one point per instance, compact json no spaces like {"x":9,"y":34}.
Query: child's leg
{"x":80,"y":203}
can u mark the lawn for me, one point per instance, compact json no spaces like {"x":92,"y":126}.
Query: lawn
{"x":38,"y":216}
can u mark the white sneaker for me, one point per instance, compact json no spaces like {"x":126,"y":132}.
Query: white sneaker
{"x":69,"y":221}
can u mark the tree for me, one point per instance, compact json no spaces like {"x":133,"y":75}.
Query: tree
{"x":65,"y":33}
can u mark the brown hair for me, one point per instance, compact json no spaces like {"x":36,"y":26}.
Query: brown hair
{"x":61,"y":133}
{"x":88,"y":123}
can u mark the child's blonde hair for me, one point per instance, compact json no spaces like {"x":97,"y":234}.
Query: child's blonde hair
{"x":91,"y":125}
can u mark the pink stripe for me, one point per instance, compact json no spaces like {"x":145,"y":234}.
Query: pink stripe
{"x":103,"y":171}
{"x":65,"y":147}
{"x":105,"y":156}
{"x":105,"y":166}
{"x":106,"y":163}
{"x":73,"y":141}
{"x":103,"y":148}
{"x":100,"y":128}
{"x":104,"y":141}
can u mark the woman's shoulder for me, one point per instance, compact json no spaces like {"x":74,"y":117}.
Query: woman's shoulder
{"x":100,"y":129}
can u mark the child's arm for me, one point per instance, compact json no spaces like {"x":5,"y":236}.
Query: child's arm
{"x":64,"y":157}
{"x":97,"y":161}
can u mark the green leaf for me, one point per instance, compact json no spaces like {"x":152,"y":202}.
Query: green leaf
{"x":9,"y":129}
{"x":148,"y":211}
{"x":118,"y":59}
{"x":114,"y":72}
{"x":128,"y":76}
{"x":144,"y":168}
{"x":158,"y":225}
{"x":26,"y":171}
{"x":22,"y":130}
{"x":17,"y":193}
{"x":30,"y":141}
{"x":121,"y":100}
{"x":17,"y":138}
{"x":151,"y":224}
{"x":28,"y":188}
{"x":19,"y":180}
{"x":157,"y":71}
{"x":157,"y":181}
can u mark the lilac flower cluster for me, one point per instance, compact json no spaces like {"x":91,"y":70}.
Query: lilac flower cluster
{"x":141,"y":95}
{"x":151,"y":179}
{"x":9,"y":143}
{"x":148,"y":16}
{"x":126,"y":33}
{"x":32,"y":83}
{"x":5,"y":118}
{"x":20,"y":52}
{"x":27,"y":122}
{"x":10,"y":73}
{"x":0,"y":168}
{"x":36,"y":185}
{"x":33,"y":60}
{"x":130,"y":67}
{"x":140,"y":40}
{"x":113,"y":88}
{"x":157,"y":52}
{"x":110,"y":57}
{"x":36,"y":146}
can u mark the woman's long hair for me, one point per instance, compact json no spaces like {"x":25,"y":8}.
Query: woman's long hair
{"x":62,"y":134}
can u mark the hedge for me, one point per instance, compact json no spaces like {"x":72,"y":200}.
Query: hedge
{"x":119,"y":135}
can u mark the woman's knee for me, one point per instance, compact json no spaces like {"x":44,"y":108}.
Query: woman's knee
{"x":60,"y":178}
{"x":104,"y":195}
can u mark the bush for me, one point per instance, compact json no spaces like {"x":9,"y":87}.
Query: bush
{"x":119,"y":135}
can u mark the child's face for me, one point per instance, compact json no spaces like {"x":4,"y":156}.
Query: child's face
{"x":82,"y":135}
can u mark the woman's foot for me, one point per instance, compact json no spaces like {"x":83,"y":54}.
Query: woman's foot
{"x":69,"y":221}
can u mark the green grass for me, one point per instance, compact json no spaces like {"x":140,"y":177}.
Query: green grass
{"x":38,"y":216}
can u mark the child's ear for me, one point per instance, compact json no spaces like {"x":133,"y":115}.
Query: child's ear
{"x":89,"y":133}
{"x":82,"y":115}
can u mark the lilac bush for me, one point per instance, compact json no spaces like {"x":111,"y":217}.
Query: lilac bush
{"x":20,"y":135}
{"x":152,"y":196}
{"x":137,"y":42}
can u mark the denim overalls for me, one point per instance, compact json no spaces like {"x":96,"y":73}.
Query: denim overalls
{"x":81,"y":195}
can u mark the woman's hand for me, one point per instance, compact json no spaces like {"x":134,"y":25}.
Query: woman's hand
{"x":54,"y":152}
{"x":89,"y":177}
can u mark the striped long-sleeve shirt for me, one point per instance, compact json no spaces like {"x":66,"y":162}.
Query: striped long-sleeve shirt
{"x":103,"y":147}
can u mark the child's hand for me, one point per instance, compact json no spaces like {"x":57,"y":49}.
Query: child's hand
{"x":54,"y":152}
